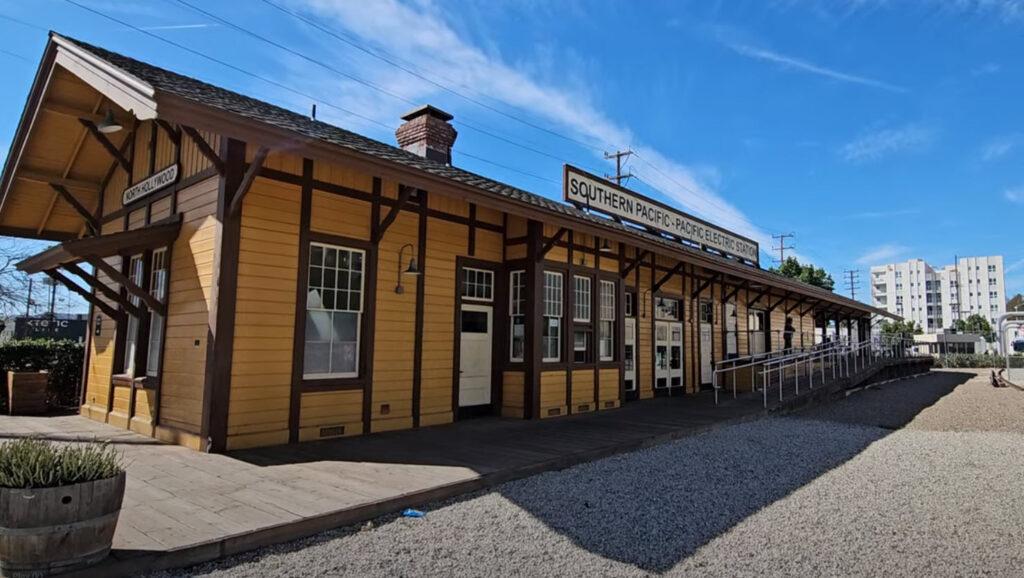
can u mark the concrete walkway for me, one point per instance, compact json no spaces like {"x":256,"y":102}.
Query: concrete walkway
{"x":183,"y":507}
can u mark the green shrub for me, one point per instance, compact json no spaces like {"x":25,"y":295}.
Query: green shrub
{"x":32,"y":463}
{"x":63,"y":359}
{"x":965,"y":360}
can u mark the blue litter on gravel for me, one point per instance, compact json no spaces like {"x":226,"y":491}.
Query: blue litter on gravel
{"x":410,"y":513}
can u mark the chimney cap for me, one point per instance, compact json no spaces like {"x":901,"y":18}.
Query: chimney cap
{"x":429,"y":110}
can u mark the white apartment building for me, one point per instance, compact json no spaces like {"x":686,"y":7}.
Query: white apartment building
{"x":935,"y":297}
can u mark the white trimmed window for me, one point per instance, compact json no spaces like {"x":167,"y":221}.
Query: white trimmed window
{"x":606,"y":328}
{"x":551,"y":344}
{"x":581,"y":299}
{"x":334,"y":310}
{"x":131,"y":340}
{"x":158,"y":288}
{"x":666,"y":308}
{"x":517,"y":314}
{"x":477,"y":284}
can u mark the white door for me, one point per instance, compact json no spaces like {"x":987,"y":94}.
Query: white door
{"x":668,"y":354}
{"x":630,"y":350}
{"x":475,"y":355}
{"x":730,"y":329}
{"x":706,"y":319}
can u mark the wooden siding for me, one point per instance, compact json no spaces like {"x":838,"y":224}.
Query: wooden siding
{"x":445,"y":241}
{"x":326,"y":411}
{"x":512,"y":394}
{"x":261,"y":373}
{"x":552,"y":394}
{"x":582,"y":391}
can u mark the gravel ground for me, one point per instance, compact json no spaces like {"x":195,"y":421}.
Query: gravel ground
{"x":921,"y":477}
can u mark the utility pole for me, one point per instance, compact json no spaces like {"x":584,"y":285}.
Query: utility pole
{"x":618,"y":156}
{"x":782,"y":248}
{"x":852,"y":281}
{"x":28,"y":303}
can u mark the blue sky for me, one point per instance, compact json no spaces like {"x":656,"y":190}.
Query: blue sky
{"x":874,"y":130}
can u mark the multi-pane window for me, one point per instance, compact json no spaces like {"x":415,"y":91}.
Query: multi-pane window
{"x":606,"y":328}
{"x":158,"y":287}
{"x":581,"y":299}
{"x":551,"y":344}
{"x":334,"y":307}
{"x":991,"y":268}
{"x":477,"y":284}
{"x":630,"y":304}
{"x":517,"y":314}
{"x":131,"y":340}
{"x":666,"y":308}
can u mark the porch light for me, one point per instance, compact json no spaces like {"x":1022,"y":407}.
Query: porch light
{"x":606,"y":247}
{"x":412,"y":269}
{"x":109,"y":124}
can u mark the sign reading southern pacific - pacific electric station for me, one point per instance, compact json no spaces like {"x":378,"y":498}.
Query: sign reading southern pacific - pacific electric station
{"x":586,"y":190}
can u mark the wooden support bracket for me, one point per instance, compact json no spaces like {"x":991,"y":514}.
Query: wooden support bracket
{"x":661,"y":282}
{"x":148,"y":298}
{"x":204,"y":148}
{"x":103,"y":140}
{"x":89,"y":218}
{"x":404,"y":194}
{"x":551,"y":243}
{"x":247,"y":180}
{"x":106,"y":290}
{"x":89,"y":297}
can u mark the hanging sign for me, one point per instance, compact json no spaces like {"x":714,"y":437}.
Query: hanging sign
{"x":154,"y":183}
{"x":586,"y":190}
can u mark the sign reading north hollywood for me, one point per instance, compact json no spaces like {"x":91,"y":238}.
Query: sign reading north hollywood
{"x":587,"y":190}
{"x":160,"y":180}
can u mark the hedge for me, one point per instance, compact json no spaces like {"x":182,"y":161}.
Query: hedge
{"x":63,"y":359}
{"x":971,"y":360}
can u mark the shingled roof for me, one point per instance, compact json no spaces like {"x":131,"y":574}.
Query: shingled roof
{"x":208,"y":95}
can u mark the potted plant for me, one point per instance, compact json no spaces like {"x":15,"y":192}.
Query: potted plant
{"x":59,"y":505}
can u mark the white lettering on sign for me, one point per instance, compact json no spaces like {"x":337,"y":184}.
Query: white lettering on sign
{"x":587,"y":190}
{"x":158,"y":181}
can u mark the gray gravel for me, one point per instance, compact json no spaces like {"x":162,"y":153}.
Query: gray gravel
{"x":833,"y":491}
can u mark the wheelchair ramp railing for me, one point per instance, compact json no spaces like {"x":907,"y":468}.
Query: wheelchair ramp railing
{"x":808,"y":368}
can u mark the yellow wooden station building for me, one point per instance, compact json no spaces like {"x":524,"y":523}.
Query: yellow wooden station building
{"x":258,"y":277}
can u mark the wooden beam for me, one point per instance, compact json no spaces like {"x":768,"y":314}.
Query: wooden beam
{"x":404,"y":193}
{"x":70,"y":199}
{"x":103,"y":140}
{"x":634,"y":264}
{"x":173,"y":133}
{"x":735,"y":291}
{"x":750,"y":302}
{"x":779,"y":302}
{"x":47,"y":179}
{"x":247,"y":180}
{"x":151,"y":301}
{"x":810,"y":307}
{"x":69,"y":111}
{"x":661,"y":282}
{"x":71,"y":285}
{"x":799,"y":302}
{"x":93,"y":281}
{"x":204,"y":147}
{"x":551,"y":242}
{"x":707,"y":283}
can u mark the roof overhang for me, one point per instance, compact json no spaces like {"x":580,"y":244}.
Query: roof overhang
{"x":159,"y":234}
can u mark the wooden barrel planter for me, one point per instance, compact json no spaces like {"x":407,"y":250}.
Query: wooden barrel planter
{"x":26,"y":392}
{"x":47,"y":531}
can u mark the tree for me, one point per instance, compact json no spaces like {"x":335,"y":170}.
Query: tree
{"x":901,"y":327}
{"x":13,"y":283}
{"x":1016,"y":303}
{"x":977,"y":325}
{"x":809,"y":274}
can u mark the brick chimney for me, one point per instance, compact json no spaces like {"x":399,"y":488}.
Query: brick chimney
{"x":427,"y":132}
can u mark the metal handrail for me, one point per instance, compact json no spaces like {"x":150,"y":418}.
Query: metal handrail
{"x":822,"y":347}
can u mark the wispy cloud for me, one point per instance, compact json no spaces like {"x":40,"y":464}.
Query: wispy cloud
{"x":1015,"y":195}
{"x":421,"y":35}
{"x":801,"y":65}
{"x":998,"y":147}
{"x":880,"y":143}
{"x":882,"y":254}
{"x":1019,"y":263}
{"x":987,"y":69}
{"x":883,"y":214}
{"x":179,"y":26}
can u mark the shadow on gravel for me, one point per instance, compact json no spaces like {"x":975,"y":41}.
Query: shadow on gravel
{"x":655,"y":508}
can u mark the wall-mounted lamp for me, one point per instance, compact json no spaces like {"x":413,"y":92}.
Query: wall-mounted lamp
{"x":412,"y":269}
{"x":109,"y":124}
{"x":643,"y":303}
{"x":606,"y":247}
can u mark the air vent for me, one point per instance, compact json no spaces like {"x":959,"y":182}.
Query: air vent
{"x":583,"y":407}
{"x":608,"y":404}
{"x":554,"y":411}
{"x":332,"y":431}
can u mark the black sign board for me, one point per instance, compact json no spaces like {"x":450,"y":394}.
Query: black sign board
{"x":43,"y":327}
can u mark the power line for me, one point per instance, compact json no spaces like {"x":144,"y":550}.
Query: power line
{"x":782,"y":248}
{"x":408,"y":70}
{"x":852,"y":281}
{"x":618,"y":156}
{"x":283,"y":86}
